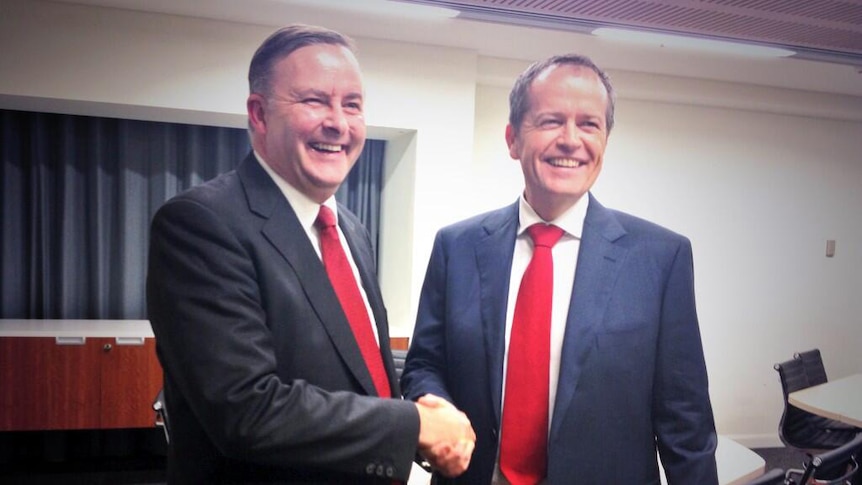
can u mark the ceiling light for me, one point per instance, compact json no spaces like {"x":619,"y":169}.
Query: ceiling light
{"x":691,"y":43}
{"x":385,"y":7}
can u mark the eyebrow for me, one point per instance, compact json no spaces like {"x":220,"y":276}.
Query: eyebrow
{"x":324,"y":94}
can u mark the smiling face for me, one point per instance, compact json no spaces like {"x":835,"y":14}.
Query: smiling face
{"x":561,"y":140}
{"x":311,"y":129}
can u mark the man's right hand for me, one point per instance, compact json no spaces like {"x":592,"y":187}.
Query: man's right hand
{"x":446,"y":438}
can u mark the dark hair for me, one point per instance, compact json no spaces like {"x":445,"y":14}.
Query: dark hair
{"x":283,"y":42}
{"x":519,"y":97}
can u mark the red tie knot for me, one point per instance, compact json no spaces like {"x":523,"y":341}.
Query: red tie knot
{"x":545,"y":234}
{"x":325,"y":218}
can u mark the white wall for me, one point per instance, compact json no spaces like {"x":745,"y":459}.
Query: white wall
{"x":758,"y":178}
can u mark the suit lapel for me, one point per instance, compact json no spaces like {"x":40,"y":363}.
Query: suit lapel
{"x":283,"y":230}
{"x":599,"y":263}
{"x":494,"y":261}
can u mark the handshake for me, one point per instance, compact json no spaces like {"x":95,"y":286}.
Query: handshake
{"x":446,"y":438}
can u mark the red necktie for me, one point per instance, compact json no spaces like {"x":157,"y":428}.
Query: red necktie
{"x":344,"y":283}
{"x":524,"y":436}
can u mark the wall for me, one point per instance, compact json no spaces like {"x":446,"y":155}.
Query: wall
{"x":758,"y":178}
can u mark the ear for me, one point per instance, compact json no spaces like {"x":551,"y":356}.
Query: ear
{"x":512,"y":142}
{"x":256,"y":107}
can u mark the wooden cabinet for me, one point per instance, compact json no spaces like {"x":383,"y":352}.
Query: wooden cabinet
{"x":77,"y":382}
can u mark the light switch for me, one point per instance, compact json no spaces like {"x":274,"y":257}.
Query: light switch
{"x":830,"y":248}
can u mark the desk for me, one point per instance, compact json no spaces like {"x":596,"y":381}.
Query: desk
{"x":839,"y":399}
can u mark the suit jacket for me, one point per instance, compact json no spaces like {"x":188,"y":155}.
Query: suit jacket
{"x":632,"y":373}
{"x":264,"y":381}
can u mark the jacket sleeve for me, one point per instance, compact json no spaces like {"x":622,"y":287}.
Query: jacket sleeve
{"x":425,"y":367}
{"x":683,"y":419}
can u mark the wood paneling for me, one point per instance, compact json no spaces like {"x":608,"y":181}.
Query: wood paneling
{"x":99,"y":384}
{"x":399,"y":343}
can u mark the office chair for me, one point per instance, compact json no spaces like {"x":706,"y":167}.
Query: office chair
{"x":772,"y":477}
{"x":834,"y":467}
{"x":801,"y":429}
{"x":162,"y":414}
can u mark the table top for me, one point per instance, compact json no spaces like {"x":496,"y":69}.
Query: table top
{"x":838,"y":399}
{"x":76,"y":328}
{"x":736,"y":463}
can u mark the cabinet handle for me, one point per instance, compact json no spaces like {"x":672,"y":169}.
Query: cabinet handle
{"x":129,"y":340}
{"x":107,"y":347}
{"x":70,"y":340}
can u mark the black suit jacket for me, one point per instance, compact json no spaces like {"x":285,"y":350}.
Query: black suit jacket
{"x":264,"y":381}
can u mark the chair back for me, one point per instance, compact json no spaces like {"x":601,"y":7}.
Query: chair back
{"x":772,"y":477}
{"x":399,"y":356}
{"x":813,"y":364}
{"x":792,"y":375}
{"x":834,"y":467}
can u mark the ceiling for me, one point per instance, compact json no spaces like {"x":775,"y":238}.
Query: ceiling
{"x":830,"y":31}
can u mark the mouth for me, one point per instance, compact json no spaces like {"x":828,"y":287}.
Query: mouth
{"x":565,"y":162}
{"x":326,"y":147}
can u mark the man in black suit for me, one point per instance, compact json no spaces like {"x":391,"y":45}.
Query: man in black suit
{"x":265,"y":380}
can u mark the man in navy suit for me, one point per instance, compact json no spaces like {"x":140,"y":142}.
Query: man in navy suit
{"x":265,"y":380}
{"x":624,"y":372}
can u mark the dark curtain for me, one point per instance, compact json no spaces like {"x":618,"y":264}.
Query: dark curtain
{"x":361,"y":191}
{"x":78,"y":194}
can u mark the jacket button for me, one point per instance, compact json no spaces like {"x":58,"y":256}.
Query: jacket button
{"x":370,"y":468}
{"x":390,"y":472}
{"x":494,"y":433}
{"x":380,"y":471}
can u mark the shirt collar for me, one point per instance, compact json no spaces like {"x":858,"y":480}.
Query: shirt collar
{"x":306,"y":209}
{"x":571,"y":221}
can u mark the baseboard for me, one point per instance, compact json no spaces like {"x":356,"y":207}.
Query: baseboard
{"x":768,"y":440}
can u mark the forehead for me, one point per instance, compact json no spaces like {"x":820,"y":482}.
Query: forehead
{"x":567,"y":82}
{"x":319,"y":63}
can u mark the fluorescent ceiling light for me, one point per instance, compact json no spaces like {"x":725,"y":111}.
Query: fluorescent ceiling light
{"x":691,"y":43}
{"x":385,"y":7}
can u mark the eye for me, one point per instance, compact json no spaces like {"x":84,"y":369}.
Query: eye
{"x":549,"y":122}
{"x":592,"y":124}
{"x":313,"y":101}
{"x":354,"y":106}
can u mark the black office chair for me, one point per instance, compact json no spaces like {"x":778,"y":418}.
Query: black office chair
{"x":162,"y":414}
{"x":772,"y":477}
{"x":801,"y":429}
{"x":834,"y":467}
{"x":399,"y":356}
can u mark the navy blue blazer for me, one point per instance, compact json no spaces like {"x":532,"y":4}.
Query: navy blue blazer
{"x":264,"y":381}
{"x":632,"y":374}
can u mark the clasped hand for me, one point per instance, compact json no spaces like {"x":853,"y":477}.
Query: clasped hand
{"x":446,"y":438}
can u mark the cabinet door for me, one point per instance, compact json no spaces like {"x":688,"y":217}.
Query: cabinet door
{"x":131,"y":377}
{"x":44,"y":385}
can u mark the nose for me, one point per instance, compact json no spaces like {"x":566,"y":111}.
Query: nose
{"x":335,"y":120}
{"x":569,"y":135}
